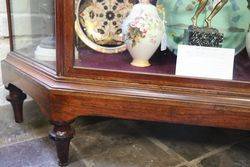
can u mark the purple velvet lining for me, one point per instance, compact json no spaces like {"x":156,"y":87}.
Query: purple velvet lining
{"x":161,"y":63}
{"x":242,"y":67}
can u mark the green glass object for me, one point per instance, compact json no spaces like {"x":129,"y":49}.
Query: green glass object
{"x":232,"y":20}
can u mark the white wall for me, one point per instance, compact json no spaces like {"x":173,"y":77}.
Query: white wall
{"x":3,"y":19}
{"x":29,"y":16}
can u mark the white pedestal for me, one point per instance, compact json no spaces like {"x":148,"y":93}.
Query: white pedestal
{"x":45,"y":54}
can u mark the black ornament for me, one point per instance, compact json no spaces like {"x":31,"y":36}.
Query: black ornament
{"x":209,"y":37}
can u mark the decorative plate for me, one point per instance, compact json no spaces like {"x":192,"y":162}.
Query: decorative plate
{"x":233,"y":21}
{"x":98,"y":23}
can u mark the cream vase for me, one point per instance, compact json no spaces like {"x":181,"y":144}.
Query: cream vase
{"x":142,"y":30}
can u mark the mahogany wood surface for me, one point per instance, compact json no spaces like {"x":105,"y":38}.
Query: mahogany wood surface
{"x":71,"y":92}
{"x":65,"y":98}
{"x":16,"y":98}
{"x":62,"y":134}
{"x":8,"y":8}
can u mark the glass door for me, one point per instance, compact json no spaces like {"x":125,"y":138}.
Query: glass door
{"x":33,"y":30}
{"x":107,"y":31}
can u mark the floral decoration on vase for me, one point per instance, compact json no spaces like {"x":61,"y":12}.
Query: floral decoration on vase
{"x":143,"y":30}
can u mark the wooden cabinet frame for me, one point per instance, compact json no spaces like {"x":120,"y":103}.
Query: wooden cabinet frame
{"x":70,"y":92}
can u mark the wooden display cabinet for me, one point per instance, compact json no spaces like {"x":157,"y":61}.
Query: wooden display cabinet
{"x":97,"y":84}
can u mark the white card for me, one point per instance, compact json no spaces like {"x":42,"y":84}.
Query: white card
{"x":209,"y":62}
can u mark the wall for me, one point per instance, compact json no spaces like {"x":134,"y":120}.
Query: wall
{"x":3,"y":19}
{"x":30,"y":17}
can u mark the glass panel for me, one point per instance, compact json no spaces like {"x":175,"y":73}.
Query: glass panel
{"x":33,"y":30}
{"x":101,"y":45}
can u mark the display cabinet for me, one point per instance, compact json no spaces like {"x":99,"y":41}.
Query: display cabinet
{"x":70,"y":56}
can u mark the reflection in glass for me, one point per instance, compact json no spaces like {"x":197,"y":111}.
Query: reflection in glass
{"x":33,"y":30}
{"x":98,"y":23}
{"x":232,"y":21}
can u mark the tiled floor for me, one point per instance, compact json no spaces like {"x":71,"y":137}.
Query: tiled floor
{"x":119,"y":143}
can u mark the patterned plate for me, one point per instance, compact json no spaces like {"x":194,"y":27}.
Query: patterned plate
{"x":98,"y":23}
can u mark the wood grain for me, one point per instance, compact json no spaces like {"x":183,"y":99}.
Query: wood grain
{"x":66,"y":98}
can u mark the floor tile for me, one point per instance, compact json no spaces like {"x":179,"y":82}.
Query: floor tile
{"x":77,"y":163}
{"x":236,"y":156}
{"x":112,"y":144}
{"x":191,"y":141}
{"x":31,"y":153}
{"x":32,"y":127}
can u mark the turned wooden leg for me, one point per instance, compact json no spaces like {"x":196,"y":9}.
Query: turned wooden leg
{"x":62,"y":134}
{"x":16,"y":98}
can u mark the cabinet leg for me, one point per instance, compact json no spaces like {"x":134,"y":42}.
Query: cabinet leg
{"x":16,"y":98}
{"x":62,"y":134}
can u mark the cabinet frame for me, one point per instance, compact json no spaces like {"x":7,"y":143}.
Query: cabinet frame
{"x":70,"y":92}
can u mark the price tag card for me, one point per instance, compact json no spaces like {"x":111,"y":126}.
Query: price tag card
{"x":209,"y":62}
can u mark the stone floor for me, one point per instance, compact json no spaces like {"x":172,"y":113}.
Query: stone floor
{"x":119,"y":143}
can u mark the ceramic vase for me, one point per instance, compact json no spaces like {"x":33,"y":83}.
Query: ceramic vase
{"x":142,"y":31}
